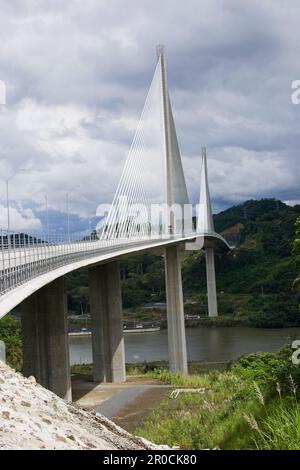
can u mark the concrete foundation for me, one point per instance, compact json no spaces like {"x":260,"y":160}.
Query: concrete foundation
{"x":211,"y":283}
{"x":45,"y":338}
{"x":107,"y":327}
{"x":175,"y":311}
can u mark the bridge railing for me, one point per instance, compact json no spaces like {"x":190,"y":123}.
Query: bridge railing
{"x":26,"y":256}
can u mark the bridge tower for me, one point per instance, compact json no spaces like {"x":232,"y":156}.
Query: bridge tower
{"x":205,"y":226}
{"x":175,"y":194}
{"x":207,"y":238}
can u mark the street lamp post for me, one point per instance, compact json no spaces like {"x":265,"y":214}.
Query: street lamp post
{"x":68,"y":216}
{"x":68,"y":208}
{"x":47,"y":218}
{"x":7,"y":202}
{"x":7,"y":207}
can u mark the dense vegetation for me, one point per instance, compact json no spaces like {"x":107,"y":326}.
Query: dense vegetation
{"x":254,"y":405}
{"x":254,"y":280}
{"x":10,"y":334}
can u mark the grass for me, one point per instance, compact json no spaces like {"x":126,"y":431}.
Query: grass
{"x":82,"y":369}
{"x":179,"y":380}
{"x":253,"y":406}
{"x":280,"y":430}
{"x":204,"y":421}
{"x":155,"y":369}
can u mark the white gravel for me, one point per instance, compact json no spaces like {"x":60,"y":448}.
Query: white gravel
{"x":32,"y":417}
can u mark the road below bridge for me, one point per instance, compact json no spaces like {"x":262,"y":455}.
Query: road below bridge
{"x":127,"y":404}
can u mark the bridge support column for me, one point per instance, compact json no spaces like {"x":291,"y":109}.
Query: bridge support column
{"x":45,"y":338}
{"x":175,"y":311}
{"x":107,"y":326}
{"x":211,"y":283}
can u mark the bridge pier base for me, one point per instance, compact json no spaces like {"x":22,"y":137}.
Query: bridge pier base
{"x":45,"y":338}
{"x":211,"y":283}
{"x":107,"y":327}
{"x":175,"y":311}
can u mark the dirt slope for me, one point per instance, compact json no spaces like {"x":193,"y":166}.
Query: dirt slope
{"x":32,"y":417}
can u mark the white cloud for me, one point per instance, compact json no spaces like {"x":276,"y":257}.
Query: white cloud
{"x":77,"y":74}
{"x":20,"y":219}
{"x":292,"y":203}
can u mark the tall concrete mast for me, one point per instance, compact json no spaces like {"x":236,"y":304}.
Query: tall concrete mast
{"x":175,"y":185}
{"x":205,"y":224}
{"x":169,"y":196}
{"x":174,"y":180}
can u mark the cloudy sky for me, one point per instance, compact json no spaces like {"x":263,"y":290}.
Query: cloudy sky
{"x":77,"y":73}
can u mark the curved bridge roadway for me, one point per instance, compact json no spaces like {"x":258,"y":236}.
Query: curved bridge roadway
{"x":24,"y":270}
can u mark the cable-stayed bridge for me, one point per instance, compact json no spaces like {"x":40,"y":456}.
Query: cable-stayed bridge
{"x":150,"y":211}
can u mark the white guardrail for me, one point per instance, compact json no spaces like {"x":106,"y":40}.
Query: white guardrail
{"x":26,"y":256}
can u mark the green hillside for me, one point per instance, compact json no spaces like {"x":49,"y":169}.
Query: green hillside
{"x":253,"y":280}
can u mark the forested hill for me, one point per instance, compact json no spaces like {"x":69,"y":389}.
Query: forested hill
{"x":269,"y":221}
{"x":253,"y":280}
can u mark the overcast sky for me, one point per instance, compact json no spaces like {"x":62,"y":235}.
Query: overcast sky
{"x":77,"y":73}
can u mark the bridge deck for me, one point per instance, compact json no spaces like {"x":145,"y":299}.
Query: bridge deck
{"x":23,"y":270}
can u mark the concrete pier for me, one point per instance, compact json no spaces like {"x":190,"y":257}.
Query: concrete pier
{"x":45,"y":338}
{"x":107,"y":327}
{"x":175,"y":311}
{"x":211,"y":283}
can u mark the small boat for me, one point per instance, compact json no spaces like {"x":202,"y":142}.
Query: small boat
{"x":140,"y":328}
{"x":137,"y":328}
{"x":82,"y":332}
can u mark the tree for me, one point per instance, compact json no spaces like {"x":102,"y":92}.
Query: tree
{"x":10,"y":333}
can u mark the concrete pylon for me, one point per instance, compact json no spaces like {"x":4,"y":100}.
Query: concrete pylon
{"x":205,"y":222}
{"x":205,"y":225}
{"x":107,"y":326}
{"x":45,"y":338}
{"x":175,"y":194}
{"x":175,"y":185}
{"x":175,"y":311}
{"x":211,"y":283}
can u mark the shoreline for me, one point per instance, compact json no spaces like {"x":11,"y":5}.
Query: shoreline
{"x":131,"y":330}
{"x":220,"y":321}
{"x":142,"y":368}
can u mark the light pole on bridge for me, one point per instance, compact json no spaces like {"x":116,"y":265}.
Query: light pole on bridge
{"x":7,"y":201}
{"x":68,"y":210}
{"x":47,"y":217}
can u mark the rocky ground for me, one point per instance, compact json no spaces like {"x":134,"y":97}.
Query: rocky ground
{"x":32,"y":417}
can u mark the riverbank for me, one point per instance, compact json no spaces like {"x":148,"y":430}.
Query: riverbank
{"x":77,"y":325}
{"x":140,"y":369}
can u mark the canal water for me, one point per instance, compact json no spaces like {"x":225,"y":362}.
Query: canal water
{"x":203,"y":344}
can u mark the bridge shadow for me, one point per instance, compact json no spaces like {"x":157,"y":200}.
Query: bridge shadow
{"x":90,"y":394}
{"x":126,"y":403}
